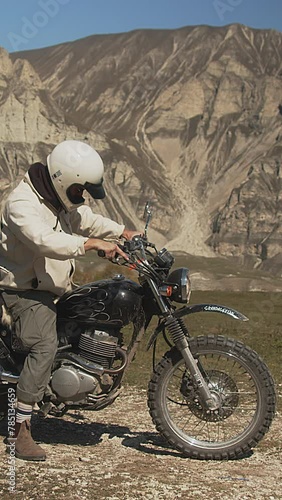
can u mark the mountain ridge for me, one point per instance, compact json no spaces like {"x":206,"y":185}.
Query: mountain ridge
{"x":186,"y":114}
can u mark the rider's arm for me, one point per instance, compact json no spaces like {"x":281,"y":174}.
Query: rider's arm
{"x":23,"y":219}
{"x":86,"y":223}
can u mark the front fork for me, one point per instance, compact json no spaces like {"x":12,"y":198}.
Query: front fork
{"x":176,"y":328}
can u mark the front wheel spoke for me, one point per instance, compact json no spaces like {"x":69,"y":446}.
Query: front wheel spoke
{"x":236,"y":405}
{"x":243,"y":396}
{"x":199,"y":426}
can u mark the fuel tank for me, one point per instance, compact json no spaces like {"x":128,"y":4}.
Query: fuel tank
{"x":110,"y":302}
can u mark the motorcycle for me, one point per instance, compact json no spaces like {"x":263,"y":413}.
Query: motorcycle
{"x":211,"y":397}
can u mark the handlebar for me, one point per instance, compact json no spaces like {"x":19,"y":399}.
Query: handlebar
{"x":129,"y":246}
{"x":116,"y":258}
{"x":140,"y":258}
{"x":101,"y":253}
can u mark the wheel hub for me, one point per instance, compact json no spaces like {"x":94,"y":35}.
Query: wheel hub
{"x":224,"y":393}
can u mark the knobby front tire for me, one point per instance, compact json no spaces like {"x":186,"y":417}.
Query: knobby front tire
{"x":241,"y":383}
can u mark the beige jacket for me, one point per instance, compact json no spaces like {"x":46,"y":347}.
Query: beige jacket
{"x":38,"y":246}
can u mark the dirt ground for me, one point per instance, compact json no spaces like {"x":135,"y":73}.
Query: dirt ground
{"x":116,"y":454}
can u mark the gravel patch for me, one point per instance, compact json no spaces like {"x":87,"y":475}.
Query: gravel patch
{"x":116,"y":454}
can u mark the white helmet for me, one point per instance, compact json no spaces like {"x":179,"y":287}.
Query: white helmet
{"x":75,"y":163}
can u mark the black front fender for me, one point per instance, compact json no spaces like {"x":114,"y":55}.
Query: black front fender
{"x":216,"y":308}
{"x":197,"y":308}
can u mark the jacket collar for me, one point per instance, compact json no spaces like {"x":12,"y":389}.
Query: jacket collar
{"x":28,"y":181}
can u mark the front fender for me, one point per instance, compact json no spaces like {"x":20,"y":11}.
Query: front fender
{"x":216,"y":308}
{"x":197,"y":308}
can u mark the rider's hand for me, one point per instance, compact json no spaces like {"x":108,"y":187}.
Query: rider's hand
{"x":128,"y":235}
{"x":110,"y":249}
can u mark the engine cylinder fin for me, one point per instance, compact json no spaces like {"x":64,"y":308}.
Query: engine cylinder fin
{"x":98,"y":346}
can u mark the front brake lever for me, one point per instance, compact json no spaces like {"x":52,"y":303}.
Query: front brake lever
{"x":119,"y":260}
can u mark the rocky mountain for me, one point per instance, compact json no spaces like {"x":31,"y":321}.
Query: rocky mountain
{"x":32,"y":124}
{"x":191,"y":118}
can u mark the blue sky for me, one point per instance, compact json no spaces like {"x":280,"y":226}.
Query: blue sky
{"x":29,"y":24}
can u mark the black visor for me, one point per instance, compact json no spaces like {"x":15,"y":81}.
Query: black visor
{"x":95,"y":190}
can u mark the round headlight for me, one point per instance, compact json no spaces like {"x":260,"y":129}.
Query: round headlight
{"x":181,"y":286}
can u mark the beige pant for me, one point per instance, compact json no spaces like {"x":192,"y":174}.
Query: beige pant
{"x":34,"y":315}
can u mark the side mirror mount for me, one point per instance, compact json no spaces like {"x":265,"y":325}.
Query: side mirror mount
{"x":147,"y":216}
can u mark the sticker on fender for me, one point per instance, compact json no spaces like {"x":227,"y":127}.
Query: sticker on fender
{"x":222,"y":310}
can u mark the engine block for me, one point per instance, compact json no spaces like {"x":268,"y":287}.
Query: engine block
{"x":98,"y":346}
{"x":72,"y":384}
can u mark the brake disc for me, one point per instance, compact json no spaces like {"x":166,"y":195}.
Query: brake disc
{"x":223,"y":389}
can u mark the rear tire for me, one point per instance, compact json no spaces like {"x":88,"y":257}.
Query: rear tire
{"x":243,"y":385}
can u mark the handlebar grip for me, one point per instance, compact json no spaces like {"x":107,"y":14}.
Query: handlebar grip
{"x":101,"y":253}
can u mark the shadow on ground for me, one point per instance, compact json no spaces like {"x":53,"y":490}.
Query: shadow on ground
{"x":54,"y":431}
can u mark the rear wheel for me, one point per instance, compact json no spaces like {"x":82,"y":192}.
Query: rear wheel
{"x":241,"y":385}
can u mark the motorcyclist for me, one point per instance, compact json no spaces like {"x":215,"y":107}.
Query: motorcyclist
{"x":44,"y":226}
